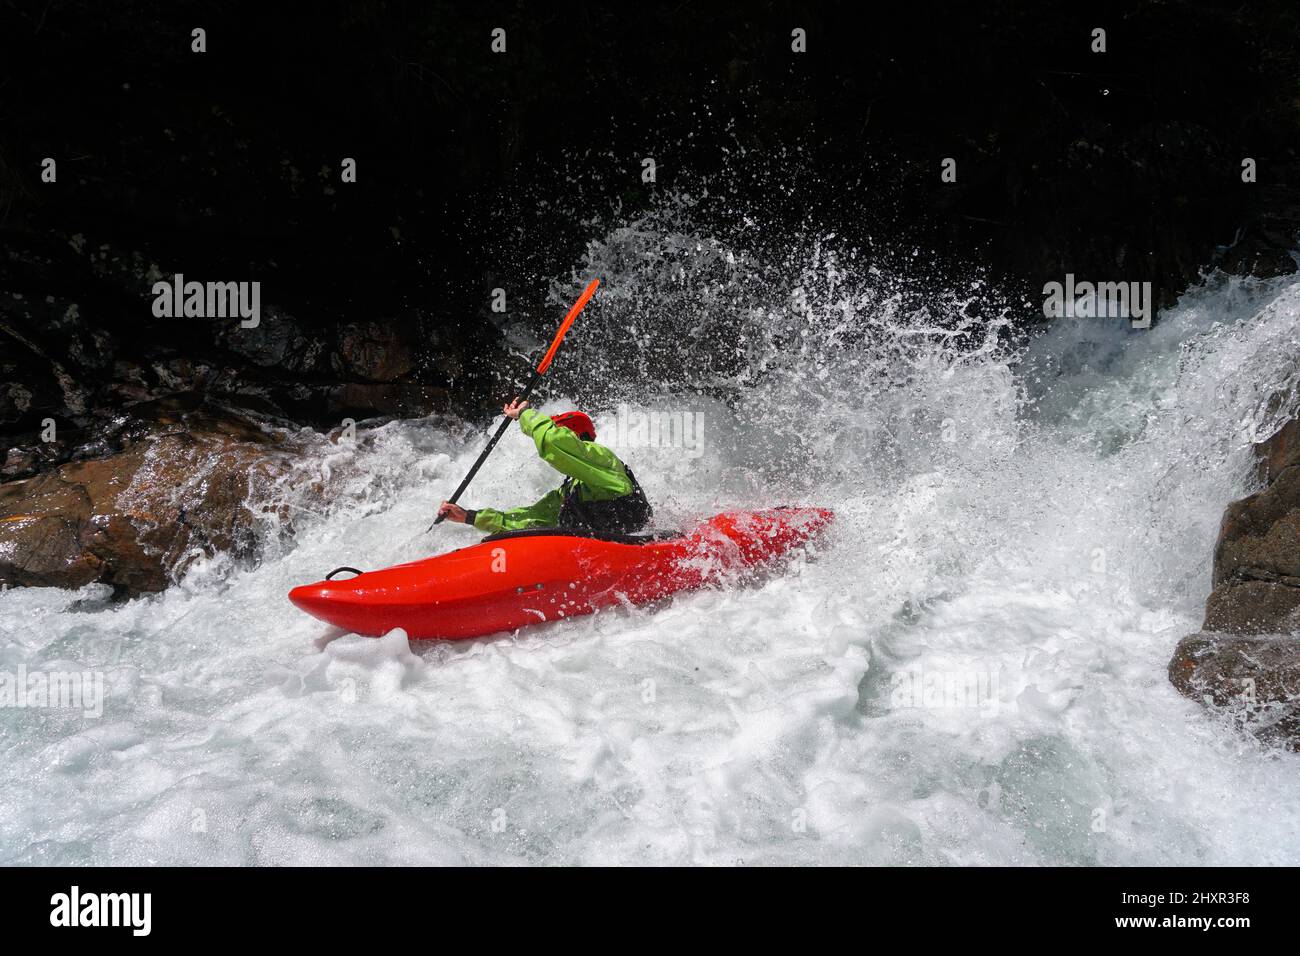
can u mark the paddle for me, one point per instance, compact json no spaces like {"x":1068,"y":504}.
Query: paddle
{"x":538,"y":372}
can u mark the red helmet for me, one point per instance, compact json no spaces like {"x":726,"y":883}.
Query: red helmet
{"x":578,"y":423}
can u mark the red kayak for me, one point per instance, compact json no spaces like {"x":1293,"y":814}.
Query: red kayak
{"x":517,"y":578}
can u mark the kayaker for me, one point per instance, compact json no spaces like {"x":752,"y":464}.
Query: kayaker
{"x":599,"y":492}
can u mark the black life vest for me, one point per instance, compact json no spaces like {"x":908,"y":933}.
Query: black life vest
{"x":626,"y":514}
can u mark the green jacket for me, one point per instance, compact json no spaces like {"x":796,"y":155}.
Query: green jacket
{"x":599,"y":473}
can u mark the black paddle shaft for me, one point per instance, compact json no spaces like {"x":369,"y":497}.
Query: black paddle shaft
{"x":528,"y":390}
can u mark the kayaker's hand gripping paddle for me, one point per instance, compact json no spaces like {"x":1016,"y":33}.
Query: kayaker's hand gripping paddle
{"x":538,"y":372}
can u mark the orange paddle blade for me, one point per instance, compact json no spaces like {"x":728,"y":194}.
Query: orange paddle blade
{"x":578,"y":306}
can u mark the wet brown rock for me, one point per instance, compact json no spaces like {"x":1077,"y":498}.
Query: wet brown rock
{"x":1246,"y":660}
{"x":1254,"y":607}
{"x":137,"y":518}
{"x":1254,"y":680}
{"x":1257,"y":556}
{"x":1280,"y":452}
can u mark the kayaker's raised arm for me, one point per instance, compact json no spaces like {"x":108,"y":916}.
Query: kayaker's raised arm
{"x":599,"y":492}
{"x":561,"y":448}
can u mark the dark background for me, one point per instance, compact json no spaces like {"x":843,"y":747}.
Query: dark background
{"x":476,"y":170}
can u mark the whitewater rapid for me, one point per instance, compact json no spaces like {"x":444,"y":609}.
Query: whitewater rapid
{"x":971,"y":669}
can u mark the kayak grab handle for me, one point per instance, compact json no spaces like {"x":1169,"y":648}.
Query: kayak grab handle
{"x":330,"y":576}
